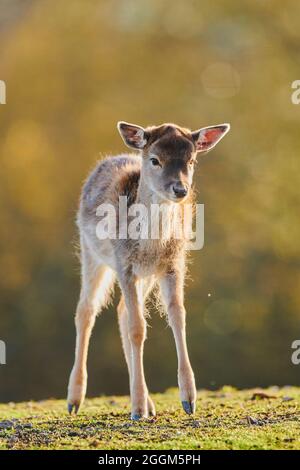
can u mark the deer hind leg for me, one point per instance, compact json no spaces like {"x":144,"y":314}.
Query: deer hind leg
{"x":97,"y":281}
{"x":124,"y":331}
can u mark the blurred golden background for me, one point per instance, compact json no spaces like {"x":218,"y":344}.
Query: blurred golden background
{"x":72,"y":70}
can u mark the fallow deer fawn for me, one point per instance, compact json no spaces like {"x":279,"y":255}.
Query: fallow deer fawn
{"x":161,"y":172}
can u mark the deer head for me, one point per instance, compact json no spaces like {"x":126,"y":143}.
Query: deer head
{"x":169,"y":153}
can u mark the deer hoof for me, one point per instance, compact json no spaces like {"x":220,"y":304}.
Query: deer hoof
{"x":73,"y":407}
{"x":189,"y":407}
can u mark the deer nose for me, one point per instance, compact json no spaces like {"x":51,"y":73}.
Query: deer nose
{"x":180,"y":190}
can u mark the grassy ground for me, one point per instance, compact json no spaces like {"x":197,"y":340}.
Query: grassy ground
{"x":226,"y":419}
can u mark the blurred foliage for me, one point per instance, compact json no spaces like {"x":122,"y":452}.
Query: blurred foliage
{"x":72,"y":70}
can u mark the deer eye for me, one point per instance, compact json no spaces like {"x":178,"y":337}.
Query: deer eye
{"x":155,"y":162}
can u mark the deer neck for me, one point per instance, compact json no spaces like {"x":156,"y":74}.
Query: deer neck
{"x":146,"y":196}
{"x":169,"y":212}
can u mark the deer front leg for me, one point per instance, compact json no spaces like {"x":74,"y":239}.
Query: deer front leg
{"x":171,"y":286}
{"x":123,"y":324}
{"x":133,"y":295}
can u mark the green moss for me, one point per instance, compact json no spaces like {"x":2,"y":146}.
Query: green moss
{"x":226,"y":419}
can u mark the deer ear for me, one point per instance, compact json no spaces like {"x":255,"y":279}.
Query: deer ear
{"x":207,"y":138}
{"x":133,"y":136}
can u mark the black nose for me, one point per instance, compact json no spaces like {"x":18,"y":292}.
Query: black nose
{"x":180,"y":190}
